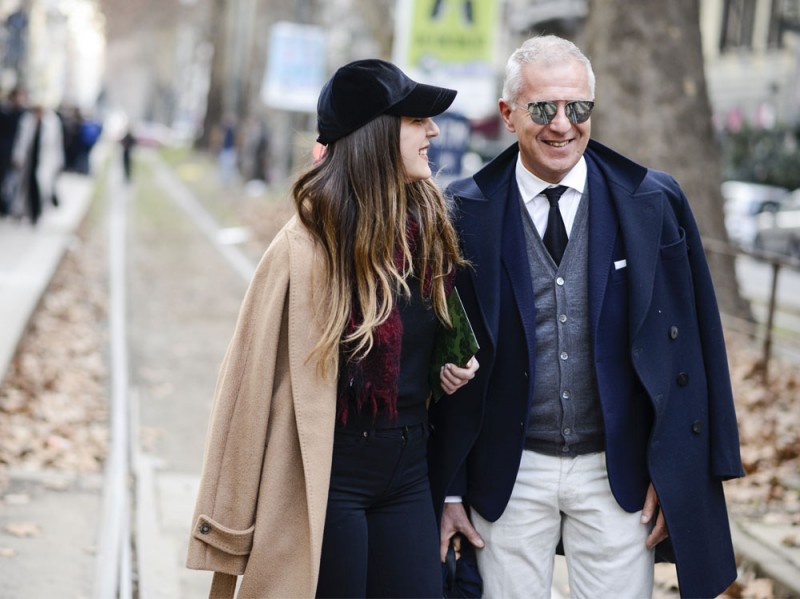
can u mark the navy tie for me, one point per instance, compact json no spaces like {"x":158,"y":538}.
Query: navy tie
{"x":555,"y":236}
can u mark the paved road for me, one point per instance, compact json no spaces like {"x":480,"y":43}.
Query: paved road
{"x":184,"y":292}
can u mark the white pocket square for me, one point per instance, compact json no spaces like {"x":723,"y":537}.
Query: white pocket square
{"x":620,"y":264}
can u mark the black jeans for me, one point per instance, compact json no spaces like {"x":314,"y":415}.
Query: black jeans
{"x":381,"y":538}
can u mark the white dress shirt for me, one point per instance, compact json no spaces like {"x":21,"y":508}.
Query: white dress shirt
{"x":531,"y":188}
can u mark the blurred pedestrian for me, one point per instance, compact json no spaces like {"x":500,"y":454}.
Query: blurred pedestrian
{"x":315,"y":477}
{"x":226,"y":144}
{"x":128,"y":142}
{"x":90,"y":132}
{"x":38,"y":155}
{"x":11,"y":111}
{"x":71,"y":119}
{"x":604,"y":416}
{"x":255,"y":151}
{"x":81,"y":133}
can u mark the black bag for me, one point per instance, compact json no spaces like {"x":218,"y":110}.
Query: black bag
{"x":460,"y":577}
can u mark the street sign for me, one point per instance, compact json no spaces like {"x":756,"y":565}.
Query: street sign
{"x":295,"y":67}
{"x":451,"y":43}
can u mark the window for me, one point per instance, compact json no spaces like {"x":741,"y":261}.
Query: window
{"x":784,"y":16}
{"x":738,"y":18}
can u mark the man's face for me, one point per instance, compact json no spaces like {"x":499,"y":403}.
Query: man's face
{"x":549,"y":151}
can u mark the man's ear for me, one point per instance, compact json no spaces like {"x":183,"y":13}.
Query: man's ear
{"x":505,"y":113}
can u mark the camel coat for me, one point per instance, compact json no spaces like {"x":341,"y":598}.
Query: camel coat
{"x":264,"y":487}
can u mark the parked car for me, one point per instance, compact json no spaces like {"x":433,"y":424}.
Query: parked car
{"x":744,"y":202}
{"x":779,"y":231}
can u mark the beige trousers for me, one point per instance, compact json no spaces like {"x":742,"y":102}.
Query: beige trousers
{"x":567,"y":498}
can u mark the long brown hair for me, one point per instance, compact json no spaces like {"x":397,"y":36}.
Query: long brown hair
{"x":357,"y":204}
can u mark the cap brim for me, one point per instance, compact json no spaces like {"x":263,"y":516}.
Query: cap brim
{"x":424,"y":101}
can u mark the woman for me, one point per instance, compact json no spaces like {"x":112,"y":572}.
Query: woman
{"x":315,"y":476}
{"x":38,"y":156}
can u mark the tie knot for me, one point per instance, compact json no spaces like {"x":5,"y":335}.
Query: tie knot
{"x":554,"y":194}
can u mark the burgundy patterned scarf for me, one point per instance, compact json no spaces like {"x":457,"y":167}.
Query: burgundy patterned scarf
{"x":371,"y":384}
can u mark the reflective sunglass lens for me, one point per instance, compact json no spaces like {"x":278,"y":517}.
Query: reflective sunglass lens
{"x":542,"y":112}
{"x":577,"y":111}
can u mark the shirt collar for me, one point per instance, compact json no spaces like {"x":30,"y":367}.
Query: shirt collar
{"x":531,"y":186}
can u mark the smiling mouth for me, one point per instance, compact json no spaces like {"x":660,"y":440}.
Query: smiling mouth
{"x":558,"y":144}
{"x":423,"y":152}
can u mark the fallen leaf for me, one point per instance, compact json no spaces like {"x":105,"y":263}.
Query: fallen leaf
{"x":23,"y":529}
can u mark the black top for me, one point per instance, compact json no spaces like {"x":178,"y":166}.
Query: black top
{"x":419,"y":332}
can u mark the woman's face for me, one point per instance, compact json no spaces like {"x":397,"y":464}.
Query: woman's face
{"x":415,"y":135}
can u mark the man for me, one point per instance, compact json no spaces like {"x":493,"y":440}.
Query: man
{"x":602,"y":415}
{"x":10,"y":113}
{"x":38,"y":156}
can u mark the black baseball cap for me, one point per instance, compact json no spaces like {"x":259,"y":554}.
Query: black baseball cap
{"x":362,"y":90}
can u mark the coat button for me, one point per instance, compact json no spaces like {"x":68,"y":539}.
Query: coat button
{"x":697,"y":427}
{"x":683,"y":379}
{"x":205,"y":528}
{"x":673,"y":332}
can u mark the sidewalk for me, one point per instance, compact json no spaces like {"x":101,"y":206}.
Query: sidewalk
{"x":774,"y":549}
{"x":48,"y":520}
{"x":30,"y":255}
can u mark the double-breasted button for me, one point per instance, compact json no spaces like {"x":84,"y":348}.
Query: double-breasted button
{"x":682,"y":379}
{"x":673,"y":332}
{"x":697,"y":427}
{"x":205,"y":528}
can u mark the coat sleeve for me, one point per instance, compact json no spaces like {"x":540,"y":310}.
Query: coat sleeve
{"x":225,"y":512}
{"x":726,"y":459}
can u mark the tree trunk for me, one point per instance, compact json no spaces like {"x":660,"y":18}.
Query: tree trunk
{"x":218,"y":76}
{"x":652,"y":105}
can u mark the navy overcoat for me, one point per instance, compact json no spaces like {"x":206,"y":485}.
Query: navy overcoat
{"x":659,"y":357}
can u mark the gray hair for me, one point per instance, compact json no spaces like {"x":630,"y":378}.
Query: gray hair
{"x":546,"y":49}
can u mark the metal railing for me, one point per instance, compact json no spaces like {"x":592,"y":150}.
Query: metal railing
{"x":776,"y":262}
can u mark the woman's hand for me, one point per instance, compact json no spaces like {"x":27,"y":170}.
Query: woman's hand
{"x":453,"y":378}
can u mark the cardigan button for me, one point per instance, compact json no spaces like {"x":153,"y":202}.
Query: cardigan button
{"x":697,"y":427}
{"x":682,"y":379}
{"x":205,"y":528}
{"x":673,"y":332}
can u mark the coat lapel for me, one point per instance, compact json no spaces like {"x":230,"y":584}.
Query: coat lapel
{"x":314,"y":396}
{"x":640,"y":217}
{"x":498,"y":239}
{"x":603,"y":234}
{"x":516,"y":262}
{"x":617,"y":179}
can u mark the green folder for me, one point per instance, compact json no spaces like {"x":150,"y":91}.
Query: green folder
{"x":452,"y":346}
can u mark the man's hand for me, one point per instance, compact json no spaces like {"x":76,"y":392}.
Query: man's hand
{"x":455,"y":520}
{"x":659,"y":532}
{"x":453,"y":378}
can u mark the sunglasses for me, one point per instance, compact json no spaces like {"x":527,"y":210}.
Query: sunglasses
{"x":577,"y":111}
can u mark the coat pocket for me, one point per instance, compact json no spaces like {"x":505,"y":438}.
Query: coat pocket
{"x":228,"y":540}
